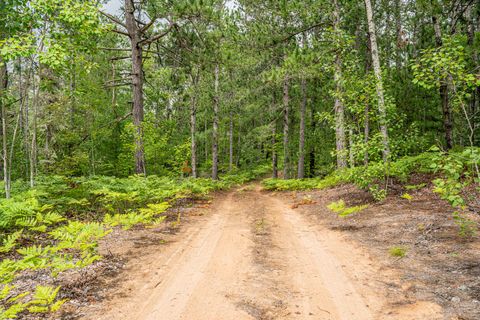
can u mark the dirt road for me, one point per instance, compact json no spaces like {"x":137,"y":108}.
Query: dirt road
{"x":253,"y":257}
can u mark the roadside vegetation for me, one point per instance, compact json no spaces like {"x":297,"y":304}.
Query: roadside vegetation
{"x":454,"y":175}
{"x":57,"y":225}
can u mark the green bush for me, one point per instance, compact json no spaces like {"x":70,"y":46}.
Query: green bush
{"x":452,"y":166}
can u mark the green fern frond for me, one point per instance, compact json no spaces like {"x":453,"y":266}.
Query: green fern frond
{"x":337,"y":207}
{"x":9,"y":242}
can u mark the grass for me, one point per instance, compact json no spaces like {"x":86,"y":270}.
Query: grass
{"x":398,"y":251}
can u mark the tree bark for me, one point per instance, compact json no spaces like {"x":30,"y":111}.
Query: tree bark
{"x":311,"y":160}
{"x":301,"y":142}
{"x":3,"y":88}
{"x":230,"y":142}
{"x":33,"y":142}
{"x":274,"y":139}
{"x":216,"y":102}
{"x":286,"y":159}
{"x":382,"y":113}
{"x":447,"y":113}
{"x":366,"y":133}
{"x":339,"y":108}
{"x":193,"y":126}
{"x":350,"y":150}
{"x":471,"y":31}
{"x":398,"y":31}
{"x":137,"y":84}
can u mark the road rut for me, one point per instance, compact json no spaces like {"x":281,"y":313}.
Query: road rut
{"x":253,"y":257}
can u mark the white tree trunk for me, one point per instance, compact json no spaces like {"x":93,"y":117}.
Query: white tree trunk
{"x":3,"y":88}
{"x":215,"y":125}
{"x":382,"y":113}
{"x":339,"y":108}
{"x":230,"y":141}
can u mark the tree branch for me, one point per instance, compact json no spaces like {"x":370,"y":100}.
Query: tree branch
{"x":120,"y":32}
{"x":118,"y":84}
{"x":148,"y":25}
{"x":112,"y":18}
{"x":115,"y":49}
{"x":288,"y":37}
{"x":120,"y":58}
{"x":156,"y":37}
{"x":116,"y":80}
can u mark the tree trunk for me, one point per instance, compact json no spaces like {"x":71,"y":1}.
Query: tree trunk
{"x":311,"y":156}
{"x":398,"y":31}
{"x":366,"y":133}
{"x":26,"y":123}
{"x":205,"y":145}
{"x":285,"y":128}
{"x":137,"y":83}
{"x":3,"y":88}
{"x":382,"y":114}
{"x":239,"y":147}
{"x":230,"y":142}
{"x":351,"y":159}
{"x":301,"y":142}
{"x":274,"y":139}
{"x":215,"y":125}
{"x":193,"y":126}
{"x":447,"y":112}
{"x":475,"y":100}
{"x":73,"y":85}
{"x":33,"y":142}
{"x":339,"y":108}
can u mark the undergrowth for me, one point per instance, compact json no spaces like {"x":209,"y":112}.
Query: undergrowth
{"x":342,"y":210}
{"x":57,"y":226}
{"x":454,"y":172}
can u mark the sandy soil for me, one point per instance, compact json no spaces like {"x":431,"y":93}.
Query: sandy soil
{"x":251,"y":256}
{"x":440,"y":265}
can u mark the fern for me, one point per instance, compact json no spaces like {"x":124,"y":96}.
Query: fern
{"x":79,"y":235}
{"x":44,"y":300}
{"x":52,"y":218}
{"x":337,"y":207}
{"x":352,"y":210}
{"x":35,"y":257}
{"x":128,"y":220}
{"x":155,"y":208}
{"x":8,"y":269}
{"x":342,"y":210}
{"x":9,"y":300}
{"x":9,"y":241}
{"x":12,"y":311}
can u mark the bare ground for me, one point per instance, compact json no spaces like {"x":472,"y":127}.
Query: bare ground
{"x":440,"y":265}
{"x":251,"y":256}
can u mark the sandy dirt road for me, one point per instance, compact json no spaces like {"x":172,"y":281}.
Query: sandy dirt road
{"x":253,"y":257}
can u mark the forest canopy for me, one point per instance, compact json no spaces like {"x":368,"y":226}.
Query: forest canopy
{"x":194,"y":88}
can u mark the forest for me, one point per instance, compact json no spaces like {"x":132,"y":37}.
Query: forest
{"x":114,"y":113}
